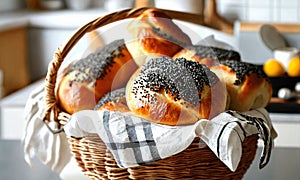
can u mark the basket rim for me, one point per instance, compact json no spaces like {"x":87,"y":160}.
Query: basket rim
{"x":52,"y":109}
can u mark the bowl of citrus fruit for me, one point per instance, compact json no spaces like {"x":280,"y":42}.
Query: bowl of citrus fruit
{"x":282,"y":76}
{"x":274,"y":68}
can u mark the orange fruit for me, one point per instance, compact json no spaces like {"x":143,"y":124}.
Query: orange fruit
{"x":293,"y":69}
{"x":273,"y":68}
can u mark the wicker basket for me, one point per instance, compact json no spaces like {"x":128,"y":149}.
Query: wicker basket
{"x":193,"y":163}
{"x":95,"y":159}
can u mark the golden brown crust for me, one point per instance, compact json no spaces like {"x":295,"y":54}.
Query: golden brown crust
{"x":162,"y":107}
{"x":76,"y":97}
{"x":114,"y":106}
{"x":163,"y":21}
{"x":255,"y":91}
{"x":113,"y":101}
{"x":208,"y":55}
{"x":75,"y":94}
{"x":154,"y":33}
{"x":190,"y":54}
{"x":163,"y":111}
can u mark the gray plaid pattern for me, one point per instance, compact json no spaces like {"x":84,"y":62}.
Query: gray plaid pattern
{"x":134,"y":143}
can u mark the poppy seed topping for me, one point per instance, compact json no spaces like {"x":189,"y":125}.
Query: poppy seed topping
{"x":96,"y":65}
{"x":181,"y":78}
{"x":243,"y":69}
{"x":214,"y":53}
{"x":113,"y":96}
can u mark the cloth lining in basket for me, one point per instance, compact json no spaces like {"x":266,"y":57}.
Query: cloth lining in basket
{"x":134,"y":141}
{"x":51,"y":149}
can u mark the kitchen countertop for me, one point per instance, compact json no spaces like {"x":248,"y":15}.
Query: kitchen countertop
{"x":12,"y":21}
{"x":284,"y":117}
{"x":65,"y":19}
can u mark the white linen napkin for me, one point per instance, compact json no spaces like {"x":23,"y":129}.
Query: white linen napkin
{"x":134,"y":141}
{"x":51,"y":149}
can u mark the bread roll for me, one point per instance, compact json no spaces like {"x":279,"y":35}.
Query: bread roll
{"x":207,"y":55}
{"x":247,"y":85}
{"x":175,"y":92}
{"x":88,"y":79}
{"x":153,"y":34}
{"x":113,"y":101}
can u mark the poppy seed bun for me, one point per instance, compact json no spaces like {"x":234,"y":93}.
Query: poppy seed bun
{"x":113,"y":101}
{"x":247,"y":85}
{"x":175,"y":92}
{"x":154,"y":34}
{"x":207,"y":55}
{"x":90,"y":78}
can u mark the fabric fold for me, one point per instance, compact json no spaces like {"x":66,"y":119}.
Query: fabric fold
{"x":38,"y":142}
{"x":134,"y":141}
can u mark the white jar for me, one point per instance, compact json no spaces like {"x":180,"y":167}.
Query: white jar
{"x":284,"y":55}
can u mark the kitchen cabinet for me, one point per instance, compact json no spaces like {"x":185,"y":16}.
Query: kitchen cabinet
{"x":13,"y":59}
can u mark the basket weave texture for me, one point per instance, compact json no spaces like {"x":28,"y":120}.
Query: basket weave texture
{"x":95,"y":159}
{"x":193,"y":163}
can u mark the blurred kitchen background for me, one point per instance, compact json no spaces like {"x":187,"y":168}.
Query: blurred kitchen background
{"x":32,"y":30}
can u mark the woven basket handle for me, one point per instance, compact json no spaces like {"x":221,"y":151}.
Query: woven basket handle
{"x":52,"y":110}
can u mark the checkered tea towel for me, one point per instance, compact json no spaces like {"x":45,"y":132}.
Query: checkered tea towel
{"x":134,"y":141}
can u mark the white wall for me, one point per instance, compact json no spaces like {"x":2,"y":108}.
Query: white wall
{"x":244,"y":10}
{"x":260,"y":10}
